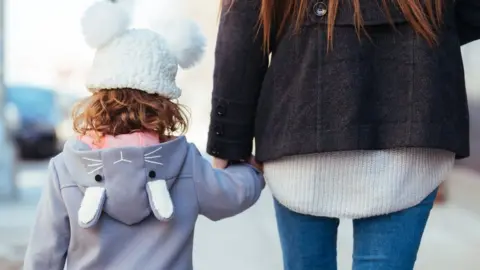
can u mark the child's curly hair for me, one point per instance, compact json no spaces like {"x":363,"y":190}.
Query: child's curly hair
{"x":123,"y":111}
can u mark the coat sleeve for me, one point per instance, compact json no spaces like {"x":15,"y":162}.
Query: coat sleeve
{"x":240,"y":66}
{"x":47,"y":249}
{"x":225,"y":193}
{"x":468,"y":20}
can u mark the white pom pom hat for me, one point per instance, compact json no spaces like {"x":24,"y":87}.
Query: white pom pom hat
{"x":140,"y":59}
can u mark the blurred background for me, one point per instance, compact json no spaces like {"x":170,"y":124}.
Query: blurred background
{"x":43,"y":62}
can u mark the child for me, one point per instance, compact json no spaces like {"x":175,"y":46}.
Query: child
{"x":126,"y":193}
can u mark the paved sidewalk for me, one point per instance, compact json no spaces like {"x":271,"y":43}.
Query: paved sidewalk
{"x":15,"y":225}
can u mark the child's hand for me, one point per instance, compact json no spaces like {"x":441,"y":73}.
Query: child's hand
{"x":254,"y":163}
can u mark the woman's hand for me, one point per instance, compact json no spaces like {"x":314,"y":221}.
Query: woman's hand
{"x":219,"y":163}
{"x":255,"y":164}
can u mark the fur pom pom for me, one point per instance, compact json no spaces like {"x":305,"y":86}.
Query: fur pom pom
{"x":184,"y":38}
{"x":102,"y":22}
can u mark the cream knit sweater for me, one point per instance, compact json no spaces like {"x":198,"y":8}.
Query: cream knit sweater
{"x":357,"y":184}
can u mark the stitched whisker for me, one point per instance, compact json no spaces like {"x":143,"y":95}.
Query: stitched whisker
{"x":95,"y":164}
{"x":91,"y":159}
{"x":154,"y":151}
{"x":95,"y":170}
{"x":154,"y":162}
{"x":150,"y":157}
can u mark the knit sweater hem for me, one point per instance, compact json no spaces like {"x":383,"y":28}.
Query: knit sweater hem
{"x":357,"y":184}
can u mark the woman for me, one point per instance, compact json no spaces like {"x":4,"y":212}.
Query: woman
{"x":359,"y":113}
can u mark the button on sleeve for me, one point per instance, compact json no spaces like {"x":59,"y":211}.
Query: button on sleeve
{"x":220,"y":110}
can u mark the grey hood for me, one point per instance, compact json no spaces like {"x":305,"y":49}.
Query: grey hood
{"x":128,"y":184}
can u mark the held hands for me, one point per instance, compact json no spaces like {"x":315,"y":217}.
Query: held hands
{"x":252,"y":161}
{"x":219,"y":163}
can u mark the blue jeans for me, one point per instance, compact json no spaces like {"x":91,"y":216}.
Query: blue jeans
{"x":388,"y":242}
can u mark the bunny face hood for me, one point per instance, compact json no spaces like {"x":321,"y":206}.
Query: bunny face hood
{"x":128,"y":184}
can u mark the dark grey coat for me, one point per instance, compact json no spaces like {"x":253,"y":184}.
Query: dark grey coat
{"x":392,"y":90}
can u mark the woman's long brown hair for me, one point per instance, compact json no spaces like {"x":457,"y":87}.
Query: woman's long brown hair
{"x":424,"y":17}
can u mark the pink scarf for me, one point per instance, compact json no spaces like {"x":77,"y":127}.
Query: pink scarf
{"x":139,"y":139}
